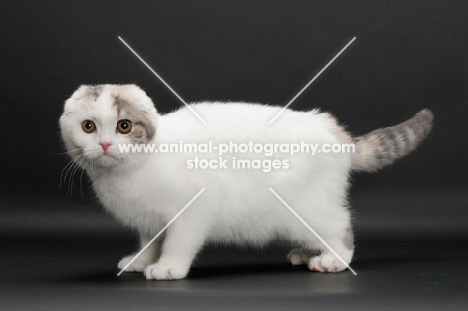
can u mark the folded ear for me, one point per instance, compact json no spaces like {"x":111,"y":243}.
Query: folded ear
{"x":80,"y":92}
{"x":91,"y":91}
{"x":148,"y":105}
{"x":133,"y":93}
{"x":77,"y":94}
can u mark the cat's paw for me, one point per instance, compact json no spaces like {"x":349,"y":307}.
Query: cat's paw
{"x":326,"y":263}
{"x":138,"y":265}
{"x":299,"y":256}
{"x":162,"y":271}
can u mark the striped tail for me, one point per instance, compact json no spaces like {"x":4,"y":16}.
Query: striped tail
{"x":383,"y":146}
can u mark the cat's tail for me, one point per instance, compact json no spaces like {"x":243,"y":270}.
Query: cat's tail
{"x":383,"y":146}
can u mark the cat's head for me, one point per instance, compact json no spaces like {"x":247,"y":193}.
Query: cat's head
{"x":97,"y":118}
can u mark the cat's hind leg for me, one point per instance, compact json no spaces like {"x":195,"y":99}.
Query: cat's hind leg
{"x":327,"y":261}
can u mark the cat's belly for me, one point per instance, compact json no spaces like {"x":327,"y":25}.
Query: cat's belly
{"x":232,"y":208}
{"x":244,"y":235}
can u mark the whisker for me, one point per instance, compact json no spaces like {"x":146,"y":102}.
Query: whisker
{"x":81,"y":179}
{"x":71,"y":167}
{"x":70,"y":179}
{"x":67,"y":152}
{"x":61,"y":174}
{"x":78,"y":166}
{"x":67,"y":167}
{"x":71,"y":172}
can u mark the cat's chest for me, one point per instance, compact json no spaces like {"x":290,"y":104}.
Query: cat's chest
{"x":123,"y":197}
{"x":113,"y":190}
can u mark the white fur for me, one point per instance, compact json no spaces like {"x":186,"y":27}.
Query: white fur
{"x":145,"y":191}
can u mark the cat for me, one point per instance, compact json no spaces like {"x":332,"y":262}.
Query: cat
{"x":146,"y":190}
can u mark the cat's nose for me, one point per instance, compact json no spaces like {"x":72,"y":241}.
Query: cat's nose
{"x":105,"y":146}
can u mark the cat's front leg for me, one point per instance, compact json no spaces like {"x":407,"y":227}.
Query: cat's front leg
{"x":150,"y":255}
{"x":181,"y":244}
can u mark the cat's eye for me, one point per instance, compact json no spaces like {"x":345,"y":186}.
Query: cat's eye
{"x":88,"y":126}
{"x":124,"y":126}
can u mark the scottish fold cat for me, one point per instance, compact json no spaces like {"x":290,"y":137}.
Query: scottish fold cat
{"x":145,"y":190}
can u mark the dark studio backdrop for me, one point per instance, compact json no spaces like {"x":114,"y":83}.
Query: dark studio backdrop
{"x":408,"y":55}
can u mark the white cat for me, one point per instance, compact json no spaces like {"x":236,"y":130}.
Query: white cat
{"x":146,"y":190}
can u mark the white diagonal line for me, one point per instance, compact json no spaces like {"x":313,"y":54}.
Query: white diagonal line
{"x":162,"y":80}
{"x":162,"y":230}
{"x":313,"y":231}
{"x":313,"y":79}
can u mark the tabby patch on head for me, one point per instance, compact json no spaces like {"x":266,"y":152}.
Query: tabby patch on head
{"x":94,"y":91}
{"x":99,"y":118}
{"x":143,"y":131}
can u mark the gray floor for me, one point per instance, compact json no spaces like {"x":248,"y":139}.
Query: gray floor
{"x":62,"y":255}
{"x":80,"y":273}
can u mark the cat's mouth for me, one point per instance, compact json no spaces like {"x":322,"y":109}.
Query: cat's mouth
{"x":106,"y":159}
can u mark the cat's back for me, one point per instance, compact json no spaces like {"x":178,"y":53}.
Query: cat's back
{"x":239,"y":120}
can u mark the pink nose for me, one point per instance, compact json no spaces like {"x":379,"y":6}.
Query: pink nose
{"x":105,"y":146}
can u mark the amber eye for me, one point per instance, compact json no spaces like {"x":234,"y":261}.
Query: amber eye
{"x":124,"y":126}
{"x":88,"y":126}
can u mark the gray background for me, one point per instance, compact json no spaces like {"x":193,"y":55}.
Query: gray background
{"x":408,"y":55}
